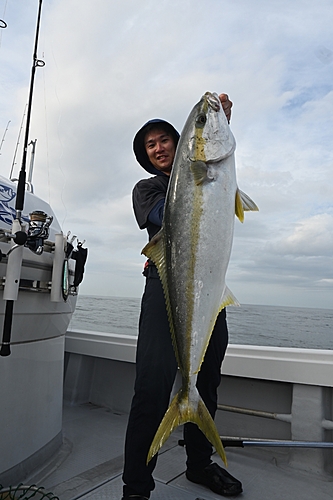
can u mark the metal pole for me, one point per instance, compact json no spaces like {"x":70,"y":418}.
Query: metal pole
{"x":256,"y":413}
{"x":263,"y":443}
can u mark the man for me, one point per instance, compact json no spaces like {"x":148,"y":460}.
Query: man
{"x":154,"y":147}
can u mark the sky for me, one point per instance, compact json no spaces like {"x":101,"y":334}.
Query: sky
{"x":111,"y":66}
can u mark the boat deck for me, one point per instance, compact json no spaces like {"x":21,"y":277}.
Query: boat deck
{"x":89,"y":465}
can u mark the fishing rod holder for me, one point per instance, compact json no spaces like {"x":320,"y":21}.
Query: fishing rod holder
{"x":38,"y":231}
{"x":19,"y":238}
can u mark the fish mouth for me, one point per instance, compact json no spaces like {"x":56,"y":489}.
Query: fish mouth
{"x":213,"y":101}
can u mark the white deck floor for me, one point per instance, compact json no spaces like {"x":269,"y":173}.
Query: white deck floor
{"x":89,"y":466}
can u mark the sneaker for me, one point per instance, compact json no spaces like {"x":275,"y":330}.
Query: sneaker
{"x":216,"y":479}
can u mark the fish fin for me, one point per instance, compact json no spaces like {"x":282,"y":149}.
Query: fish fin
{"x":239,"y":210}
{"x":199,"y":170}
{"x":155,"y":250}
{"x":248,"y":203}
{"x":181,"y":411}
{"x":170,"y":421}
{"x":228,"y":299}
{"x":243,"y":203}
{"x":206,"y":424}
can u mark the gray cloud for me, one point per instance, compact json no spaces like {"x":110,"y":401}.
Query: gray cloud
{"x":112,"y":66}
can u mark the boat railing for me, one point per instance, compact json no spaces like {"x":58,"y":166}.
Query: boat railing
{"x":269,"y":393}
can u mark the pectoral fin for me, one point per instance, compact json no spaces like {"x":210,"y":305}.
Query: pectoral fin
{"x":243,"y":203}
{"x":199,"y":169}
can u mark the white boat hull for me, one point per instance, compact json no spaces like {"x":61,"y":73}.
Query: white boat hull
{"x":31,"y":416}
{"x":31,"y":377}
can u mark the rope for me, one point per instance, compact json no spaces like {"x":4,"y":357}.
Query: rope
{"x":22,"y":492}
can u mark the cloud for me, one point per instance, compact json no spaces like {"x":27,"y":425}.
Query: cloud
{"x":311,"y":237}
{"x":110,"y":66}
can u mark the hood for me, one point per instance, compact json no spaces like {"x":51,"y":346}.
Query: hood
{"x":139,"y":147}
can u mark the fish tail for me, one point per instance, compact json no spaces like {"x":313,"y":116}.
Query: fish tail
{"x":171,"y":420}
{"x":180,"y":412}
{"x":207,"y":425}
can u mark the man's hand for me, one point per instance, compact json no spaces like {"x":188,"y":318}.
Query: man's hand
{"x":226,"y":105}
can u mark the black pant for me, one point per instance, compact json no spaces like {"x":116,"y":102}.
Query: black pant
{"x":155,"y":374}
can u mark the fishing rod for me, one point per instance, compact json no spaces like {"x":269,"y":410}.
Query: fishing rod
{"x":234,"y":442}
{"x":17,"y":143}
{"x":3,"y":24}
{"x":265,"y":443}
{"x":19,"y":236}
{"x":4,"y":135}
{"x":21,"y":182}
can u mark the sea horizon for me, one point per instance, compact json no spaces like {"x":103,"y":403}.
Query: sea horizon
{"x":241,"y":304}
{"x":249,"y":324}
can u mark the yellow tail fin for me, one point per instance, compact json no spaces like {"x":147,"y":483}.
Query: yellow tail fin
{"x":180,"y":411}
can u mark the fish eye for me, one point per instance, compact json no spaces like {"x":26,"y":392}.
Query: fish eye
{"x":201,"y":119}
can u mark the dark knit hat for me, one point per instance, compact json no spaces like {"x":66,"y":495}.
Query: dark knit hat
{"x":139,"y":142}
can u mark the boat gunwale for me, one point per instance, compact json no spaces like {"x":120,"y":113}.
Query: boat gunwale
{"x":283,"y":364}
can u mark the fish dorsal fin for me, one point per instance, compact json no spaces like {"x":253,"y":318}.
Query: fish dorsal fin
{"x":243,"y":203}
{"x":199,"y":170}
{"x":155,"y":250}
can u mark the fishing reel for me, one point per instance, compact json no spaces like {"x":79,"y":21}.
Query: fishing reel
{"x":38,"y":231}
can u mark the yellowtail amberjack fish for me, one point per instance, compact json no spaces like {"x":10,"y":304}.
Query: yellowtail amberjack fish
{"x":192,"y":251}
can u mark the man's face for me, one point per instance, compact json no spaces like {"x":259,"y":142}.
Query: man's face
{"x":160,"y":149}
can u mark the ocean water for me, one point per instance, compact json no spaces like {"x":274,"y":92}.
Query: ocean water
{"x":249,"y":324}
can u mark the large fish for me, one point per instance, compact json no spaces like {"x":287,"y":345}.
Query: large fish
{"x":192,"y":252}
